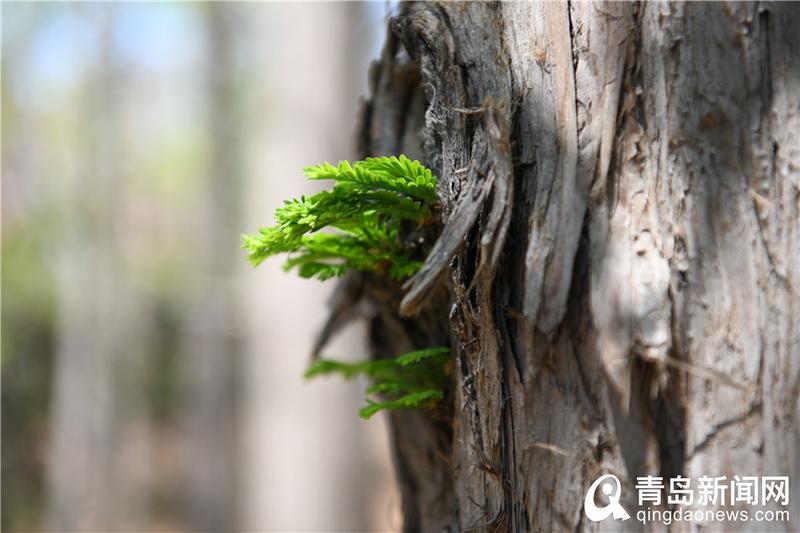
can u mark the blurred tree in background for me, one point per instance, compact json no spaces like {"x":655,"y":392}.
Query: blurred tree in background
{"x":138,"y":349}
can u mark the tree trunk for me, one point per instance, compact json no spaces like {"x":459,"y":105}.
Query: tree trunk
{"x":99,"y":449}
{"x":290,"y":465}
{"x":617,"y":267}
{"x":210,"y":349}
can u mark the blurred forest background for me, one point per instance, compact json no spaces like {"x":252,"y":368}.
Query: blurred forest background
{"x":151,"y":380}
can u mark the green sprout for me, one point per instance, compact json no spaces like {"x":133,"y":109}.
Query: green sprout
{"x":359,"y":225}
{"x":363,"y":213}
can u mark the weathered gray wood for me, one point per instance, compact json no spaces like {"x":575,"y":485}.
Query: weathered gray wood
{"x":619,"y":252}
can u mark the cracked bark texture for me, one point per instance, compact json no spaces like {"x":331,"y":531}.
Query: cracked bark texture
{"x":618,"y":267}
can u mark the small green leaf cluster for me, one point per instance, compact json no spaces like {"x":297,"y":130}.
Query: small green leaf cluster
{"x":413,"y":380}
{"x":364,"y":211}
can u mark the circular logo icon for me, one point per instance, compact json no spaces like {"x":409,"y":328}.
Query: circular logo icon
{"x":612,"y":488}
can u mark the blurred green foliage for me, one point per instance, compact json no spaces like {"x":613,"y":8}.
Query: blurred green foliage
{"x":27,"y":335}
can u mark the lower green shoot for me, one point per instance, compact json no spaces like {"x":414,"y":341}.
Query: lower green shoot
{"x":413,"y":380}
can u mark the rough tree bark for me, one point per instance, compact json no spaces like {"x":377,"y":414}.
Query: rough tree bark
{"x":617,"y":268}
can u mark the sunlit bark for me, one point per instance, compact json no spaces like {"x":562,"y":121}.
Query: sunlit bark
{"x":620,"y":185}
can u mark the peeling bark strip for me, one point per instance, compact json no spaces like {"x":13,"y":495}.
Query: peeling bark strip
{"x":488,"y":176}
{"x":618,"y":267}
